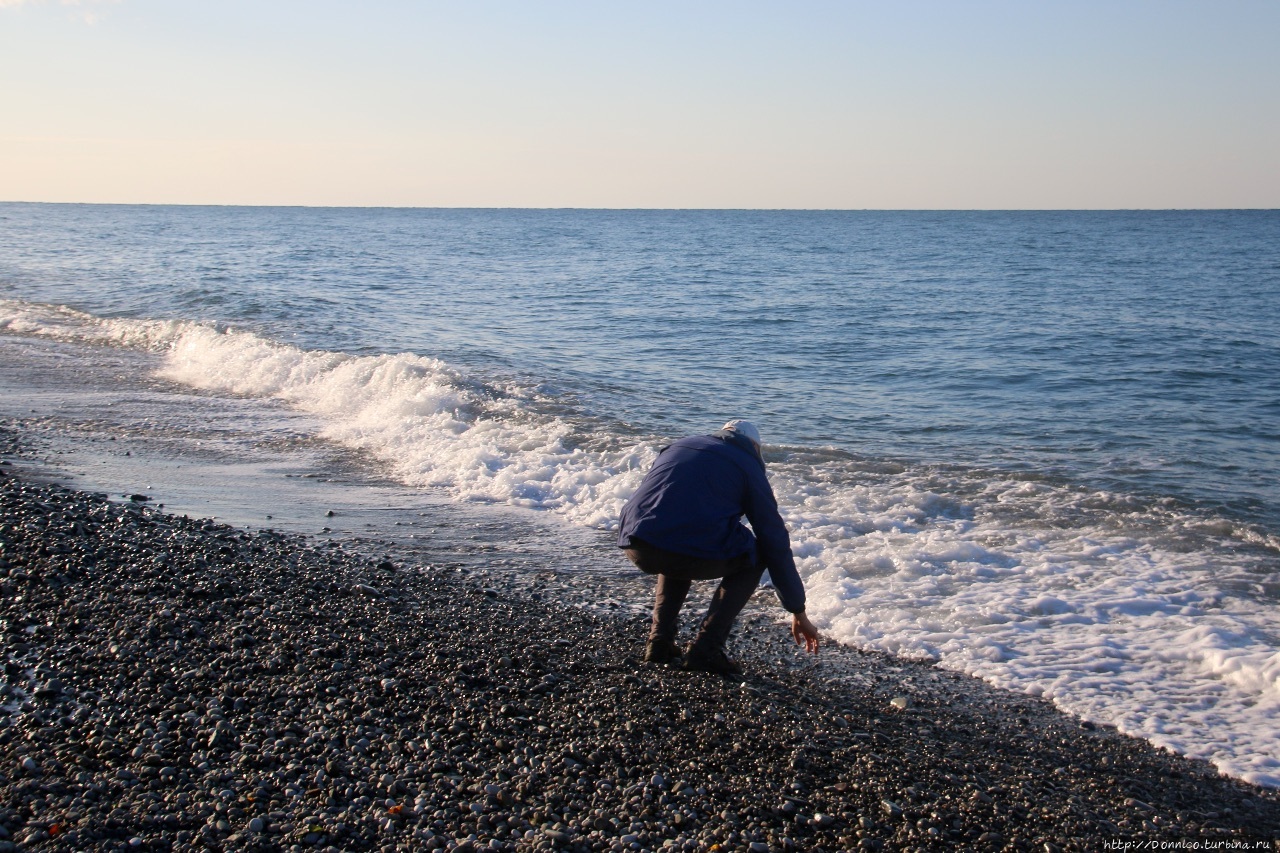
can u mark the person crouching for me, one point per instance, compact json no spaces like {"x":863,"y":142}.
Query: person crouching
{"x":684,"y":523}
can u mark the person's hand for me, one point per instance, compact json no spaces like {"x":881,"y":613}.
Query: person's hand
{"x":804,"y":632}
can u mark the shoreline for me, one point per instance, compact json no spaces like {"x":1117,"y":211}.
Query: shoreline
{"x":186,"y":684}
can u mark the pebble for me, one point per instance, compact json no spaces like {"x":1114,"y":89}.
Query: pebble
{"x":49,"y":689}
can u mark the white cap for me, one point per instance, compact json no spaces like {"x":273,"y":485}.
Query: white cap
{"x":746,"y":428}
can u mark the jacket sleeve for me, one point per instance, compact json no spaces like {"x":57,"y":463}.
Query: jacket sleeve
{"x":775,"y":542}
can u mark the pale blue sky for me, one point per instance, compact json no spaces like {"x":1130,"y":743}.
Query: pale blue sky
{"x":956,"y":104}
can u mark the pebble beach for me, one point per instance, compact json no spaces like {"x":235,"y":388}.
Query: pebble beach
{"x":177,"y":683}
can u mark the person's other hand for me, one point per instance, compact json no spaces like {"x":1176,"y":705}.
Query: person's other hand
{"x":804,"y":632}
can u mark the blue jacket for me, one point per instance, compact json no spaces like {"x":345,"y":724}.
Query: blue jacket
{"x":692,"y":502}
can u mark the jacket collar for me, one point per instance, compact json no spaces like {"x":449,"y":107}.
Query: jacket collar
{"x":740,"y":441}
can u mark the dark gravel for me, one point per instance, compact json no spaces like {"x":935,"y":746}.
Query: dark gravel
{"x":175,"y":683}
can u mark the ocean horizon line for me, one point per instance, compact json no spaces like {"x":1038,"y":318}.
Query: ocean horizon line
{"x":625,"y":209}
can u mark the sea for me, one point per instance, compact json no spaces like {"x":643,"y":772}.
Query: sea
{"x":1039,"y":448}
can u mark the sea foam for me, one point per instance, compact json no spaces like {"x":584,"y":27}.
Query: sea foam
{"x":1120,"y":611}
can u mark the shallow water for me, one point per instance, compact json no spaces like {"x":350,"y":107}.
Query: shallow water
{"x":1039,"y":448}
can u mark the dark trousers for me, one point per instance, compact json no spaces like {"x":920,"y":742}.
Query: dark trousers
{"x":676,"y":573}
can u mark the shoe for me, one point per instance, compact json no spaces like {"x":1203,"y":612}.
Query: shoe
{"x":661,"y":651}
{"x":714,"y":661}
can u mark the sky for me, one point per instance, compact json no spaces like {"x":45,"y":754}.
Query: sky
{"x":901,"y":104}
